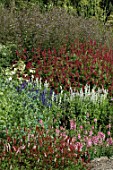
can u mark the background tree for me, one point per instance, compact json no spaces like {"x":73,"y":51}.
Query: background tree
{"x":107,"y":6}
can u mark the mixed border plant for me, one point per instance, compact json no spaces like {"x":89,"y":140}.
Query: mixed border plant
{"x":56,"y":101}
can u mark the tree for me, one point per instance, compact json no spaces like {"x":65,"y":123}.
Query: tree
{"x":107,"y":6}
{"x":76,"y":4}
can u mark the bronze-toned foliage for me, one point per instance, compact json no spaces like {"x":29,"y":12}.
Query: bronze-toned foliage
{"x":30,"y":28}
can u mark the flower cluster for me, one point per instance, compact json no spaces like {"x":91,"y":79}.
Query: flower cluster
{"x":84,"y":63}
{"x":53,"y":147}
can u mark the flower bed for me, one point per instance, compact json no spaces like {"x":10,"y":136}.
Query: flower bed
{"x":56,"y":108}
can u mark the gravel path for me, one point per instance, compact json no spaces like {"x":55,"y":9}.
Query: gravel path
{"x":103,"y":163}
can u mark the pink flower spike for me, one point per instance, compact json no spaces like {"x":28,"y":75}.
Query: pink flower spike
{"x":78,"y":146}
{"x":41,"y":122}
{"x":108,"y":126}
{"x":90,"y":133}
{"x":62,"y":128}
{"x":95,"y":140}
{"x":57,"y":131}
{"x":93,"y":127}
{"x":108,"y":133}
{"x":63,"y":134}
{"x":95,"y":120}
{"x":81,"y":127}
{"x":72,"y":125}
{"x":73,"y":139}
{"x":89,"y":143}
{"x":79,"y":136}
{"x":110,"y":141}
{"x":101,"y":135}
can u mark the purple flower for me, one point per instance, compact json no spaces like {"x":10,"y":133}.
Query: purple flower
{"x":23,"y":85}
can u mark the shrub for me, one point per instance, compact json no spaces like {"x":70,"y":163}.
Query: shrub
{"x":7,"y":54}
{"x":29,"y":28}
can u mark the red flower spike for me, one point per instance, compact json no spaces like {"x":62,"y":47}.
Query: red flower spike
{"x":8,"y":138}
{"x":23,"y":57}
{"x":25,"y":50}
{"x":14,"y":141}
{"x":29,"y":65}
{"x":17,"y":53}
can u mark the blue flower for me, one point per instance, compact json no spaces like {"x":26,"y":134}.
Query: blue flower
{"x":37,"y":91}
{"x":51,"y":92}
{"x":24,"y":84}
{"x":43,"y":99}
{"x":33,"y":94}
{"x":21,"y":86}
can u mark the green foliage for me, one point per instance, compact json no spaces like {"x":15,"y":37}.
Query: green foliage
{"x":80,"y":106}
{"x":21,"y":108}
{"x":7,"y":54}
{"x":16,"y":118}
{"x":99,"y":151}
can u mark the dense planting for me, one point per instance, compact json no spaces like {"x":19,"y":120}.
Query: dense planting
{"x":81,"y":64}
{"x":56,"y":86}
{"x":83,"y":113}
{"x":41,"y":149}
